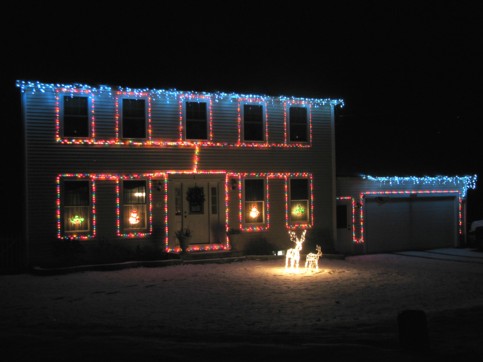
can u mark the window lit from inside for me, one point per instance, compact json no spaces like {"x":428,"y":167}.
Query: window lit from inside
{"x":253,"y":122}
{"x":196,"y":121}
{"x":75,"y":121}
{"x":134,"y":205}
{"x":298,"y":124}
{"x":254,"y":201}
{"x":76,"y":201}
{"x":133,"y":118}
{"x":299,"y":200}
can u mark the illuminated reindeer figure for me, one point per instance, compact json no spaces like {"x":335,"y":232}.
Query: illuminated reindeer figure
{"x":312,"y":260}
{"x":293,"y":254}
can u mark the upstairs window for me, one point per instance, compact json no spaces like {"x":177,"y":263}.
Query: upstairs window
{"x":196,"y":121}
{"x":298,"y":121}
{"x":254,"y":201}
{"x":133,"y":118}
{"x":253,"y":122}
{"x":134,"y":205}
{"x":299,"y":206}
{"x":77,"y":204}
{"x":76,"y":116}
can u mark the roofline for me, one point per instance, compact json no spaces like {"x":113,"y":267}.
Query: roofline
{"x":35,"y":86}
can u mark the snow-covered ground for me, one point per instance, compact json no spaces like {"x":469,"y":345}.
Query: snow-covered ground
{"x":251,"y":297}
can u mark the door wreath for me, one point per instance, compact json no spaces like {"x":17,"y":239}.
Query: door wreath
{"x":196,"y":198}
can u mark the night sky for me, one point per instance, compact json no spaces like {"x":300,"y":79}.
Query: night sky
{"x":410,"y":74}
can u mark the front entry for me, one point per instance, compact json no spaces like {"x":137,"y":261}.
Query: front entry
{"x":196,"y":202}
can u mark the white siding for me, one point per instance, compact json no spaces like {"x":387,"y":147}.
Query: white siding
{"x":46,"y":159}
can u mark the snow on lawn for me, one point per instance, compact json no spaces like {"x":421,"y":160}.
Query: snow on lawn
{"x":251,"y":295}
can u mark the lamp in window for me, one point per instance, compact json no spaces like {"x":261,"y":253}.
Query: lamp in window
{"x":134,"y":217}
{"x":254,"y":213}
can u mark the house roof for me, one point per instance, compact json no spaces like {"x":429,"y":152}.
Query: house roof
{"x":37,"y":86}
{"x":464,"y":182}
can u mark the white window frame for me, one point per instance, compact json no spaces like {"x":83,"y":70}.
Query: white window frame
{"x":125,"y":226}
{"x":264,"y":122}
{"x":208,"y":118}
{"x":307,"y":126}
{"x":121,"y":116}
{"x":62,"y":114}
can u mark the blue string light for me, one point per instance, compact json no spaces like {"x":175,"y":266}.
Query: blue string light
{"x":36,"y":86}
{"x":464,"y":182}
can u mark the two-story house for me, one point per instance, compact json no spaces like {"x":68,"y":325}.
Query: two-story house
{"x":137,"y":167}
{"x":134,"y":166}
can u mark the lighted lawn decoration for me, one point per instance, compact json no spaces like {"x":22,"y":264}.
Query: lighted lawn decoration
{"x":293,"y":255}
{"x":312,"y":260}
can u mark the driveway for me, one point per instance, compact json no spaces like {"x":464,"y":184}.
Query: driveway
{"x":464,"y":255}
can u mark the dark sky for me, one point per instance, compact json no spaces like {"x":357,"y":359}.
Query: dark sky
{"x":410,"y":72}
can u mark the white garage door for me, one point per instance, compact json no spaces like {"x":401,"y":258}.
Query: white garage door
{"x":419,"y":223}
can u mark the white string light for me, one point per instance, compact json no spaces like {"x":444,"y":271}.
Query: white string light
{"x":292,"y":258}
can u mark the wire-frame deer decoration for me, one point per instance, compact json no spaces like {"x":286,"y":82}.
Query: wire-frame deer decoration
{"x":312,"y":259}
{"x":292,"y":258}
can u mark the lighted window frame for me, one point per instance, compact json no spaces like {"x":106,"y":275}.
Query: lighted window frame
{"x":241,"y":121}
{"x":187,"y":98}
{"x":196,"y":120}
{"x":73,"y":121}
{"x":259,"y":203}
{"x":287,"y":123}
{"x":62,"y":216}
{"x":291,"y":223}
{"x":292,"y":124}
{"x":141,"y":208}
{"x":60,"y":136}
{"x":124,"y":118}
{"x":300,"y":201}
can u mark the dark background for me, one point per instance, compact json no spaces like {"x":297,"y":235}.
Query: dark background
{"x":410,"y":73}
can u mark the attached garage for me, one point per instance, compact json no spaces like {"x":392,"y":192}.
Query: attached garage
{"x":402,"y":223}
{"x":386,"y":214}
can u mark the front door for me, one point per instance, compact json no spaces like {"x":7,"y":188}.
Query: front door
{"x":195,"y":202}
